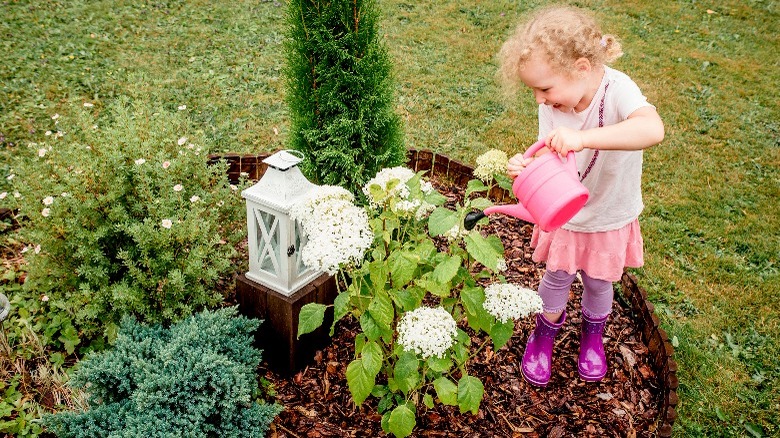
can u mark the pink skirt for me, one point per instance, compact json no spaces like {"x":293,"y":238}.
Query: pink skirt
{"x":601,"y":255}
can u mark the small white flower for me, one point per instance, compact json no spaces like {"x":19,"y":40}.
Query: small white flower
{"x":45,"y":212}
{"x":17,"y":195}
{"x":510,"y":301}
{"x":10,"y":177}
{"x":427,"y":331}
{"x":167,"y":224}
{"x":88,"y":105}
{"x":47,"y":133}
{"x":233,"y":187}
{"x":140,"y":161}
{"x":59,"y":134}
{"x":182,"y":141}
{"x":502,"y":266}
{"x":489,"y":164}
{"x":455,"y":233}
{"x":220,"y":203}
{"x":194,"y":198}
{"x":65,"y":194}
{"x":55,"y":117}
{"x":25,"y":249}
{"x":178,"y":188}
{"x":182,"y":107}
{"x":37,"y":249}
{"x":45,"y":298}
{"x":166,"y":164}
{"x":3,"y":195}
{"x":49,"y":200}
{"x":41,"y":152}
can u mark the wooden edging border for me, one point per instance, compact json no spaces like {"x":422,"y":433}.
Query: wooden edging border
{"x":654,"y":337}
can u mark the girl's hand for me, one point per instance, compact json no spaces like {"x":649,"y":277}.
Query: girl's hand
{"x":516,"y":165}
{"x":562,"y":140}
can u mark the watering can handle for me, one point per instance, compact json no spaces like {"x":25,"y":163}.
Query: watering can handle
{"x":540,"y":144}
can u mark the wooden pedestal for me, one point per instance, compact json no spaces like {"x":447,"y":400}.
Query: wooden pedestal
{"x":276,"y":336}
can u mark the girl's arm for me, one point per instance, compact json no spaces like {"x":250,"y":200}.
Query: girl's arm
{"x":642,"y":129}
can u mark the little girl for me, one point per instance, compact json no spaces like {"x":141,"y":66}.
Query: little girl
{"x":600,"y":113}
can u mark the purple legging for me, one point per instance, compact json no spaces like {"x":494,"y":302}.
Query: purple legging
{"x":596,"y":299}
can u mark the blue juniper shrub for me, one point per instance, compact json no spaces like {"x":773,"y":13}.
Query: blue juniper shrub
{"x":196,"y":378}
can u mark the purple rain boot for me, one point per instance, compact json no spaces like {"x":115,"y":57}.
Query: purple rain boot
{"x":537,"y":359}
{"x":592,"y":363}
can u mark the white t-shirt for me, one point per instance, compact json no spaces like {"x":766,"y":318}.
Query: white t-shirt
{"x":615,"y":180}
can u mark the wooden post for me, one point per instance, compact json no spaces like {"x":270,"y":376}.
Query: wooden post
{"x":276,"y":336}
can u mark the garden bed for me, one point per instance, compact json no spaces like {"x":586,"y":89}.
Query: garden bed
{"x":637,"y":398}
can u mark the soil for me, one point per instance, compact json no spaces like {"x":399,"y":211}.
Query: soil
{"x":625,"y":403}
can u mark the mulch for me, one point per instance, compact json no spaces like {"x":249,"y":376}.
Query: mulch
{"x":625,"y":403}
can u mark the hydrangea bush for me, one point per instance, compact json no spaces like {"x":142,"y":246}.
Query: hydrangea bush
{"x":122,"y":215}
{"x":196,"y":378}
{"x":408,"y":295}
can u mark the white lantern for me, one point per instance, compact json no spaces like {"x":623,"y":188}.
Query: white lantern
{"x":275,"y":241}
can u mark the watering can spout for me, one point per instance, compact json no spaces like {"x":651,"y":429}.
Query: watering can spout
{"x":514,"y":210}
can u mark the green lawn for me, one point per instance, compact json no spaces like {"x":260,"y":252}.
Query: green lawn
{"x":711,"y":223}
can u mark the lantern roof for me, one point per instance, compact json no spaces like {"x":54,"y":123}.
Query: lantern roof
{"x":281,"y":184}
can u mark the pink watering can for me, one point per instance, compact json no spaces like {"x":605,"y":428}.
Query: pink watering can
{"x":549,"y":191}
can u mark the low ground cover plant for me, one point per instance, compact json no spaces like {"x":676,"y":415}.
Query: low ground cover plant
{"x":195,"y":378}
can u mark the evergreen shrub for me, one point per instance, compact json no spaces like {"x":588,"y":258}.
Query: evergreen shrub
{"x":340,"y":92}
{"x":122,"y":215}
{"x":194,"y":379}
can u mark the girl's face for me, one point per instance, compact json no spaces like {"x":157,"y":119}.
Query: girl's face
{"x":563,"y":92}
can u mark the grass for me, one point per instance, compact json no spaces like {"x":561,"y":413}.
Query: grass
{"x":711,"y":226}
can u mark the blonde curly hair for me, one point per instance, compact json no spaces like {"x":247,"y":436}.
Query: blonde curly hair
{"x":562,"y":34}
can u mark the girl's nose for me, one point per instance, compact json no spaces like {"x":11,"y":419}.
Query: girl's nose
{"x":539,"y":96}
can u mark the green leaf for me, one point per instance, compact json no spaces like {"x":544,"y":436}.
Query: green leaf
{"x":473,"y":299}
{"x":446,"y":391}
{"x":504,"y":181}
{"x":407,"y":371}
{"x":340,"y":308}
{"x":480,"y":203}
{"x":70,"y":338}
{"x":409,"y":298}
{"x":382,"y":310}
{"x":500,"y":333}
{"x":446,"y":270}
{"x":435,"y":198}
{"x":470,"y":392}
{"x":475,"y":185}
{"x":428,"y":401}
{"x":402,"y":267}
{"x":401,"y":421}
{"x":378,"y":273}
{"x":483,"y":250}
{"x":312,"y":315}
{"x":370,"y":327}
{"x":359,"y":380}
{"x":439,"y":364}
{"x":373,"y":357}
{"x":441,"y":221}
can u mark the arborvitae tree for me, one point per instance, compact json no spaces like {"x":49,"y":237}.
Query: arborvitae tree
{"x":340,"y":92}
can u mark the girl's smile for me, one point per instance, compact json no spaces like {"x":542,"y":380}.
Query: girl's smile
{"x":563,"y":92}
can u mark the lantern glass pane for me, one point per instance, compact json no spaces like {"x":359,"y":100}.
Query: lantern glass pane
{"x":300,"y":242}
{"x":268,"y":243}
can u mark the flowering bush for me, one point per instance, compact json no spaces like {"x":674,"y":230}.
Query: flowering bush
{"x":408,"y":295}
{"x":123,"y":216}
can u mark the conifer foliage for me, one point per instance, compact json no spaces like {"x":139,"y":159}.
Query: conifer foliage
{"x":340,"y":92}
{"x":196,"y":378}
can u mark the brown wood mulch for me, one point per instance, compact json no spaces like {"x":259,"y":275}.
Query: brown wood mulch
{"x":625,"y":404}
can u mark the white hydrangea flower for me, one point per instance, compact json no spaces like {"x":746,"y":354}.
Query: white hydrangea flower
{"x":383,"y":178}
{"x":510,"y":301}
{"x":455,"y":233}
{"x":489,"y":164}
{"x":427,"y":331}
{"x":339,"y":232}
